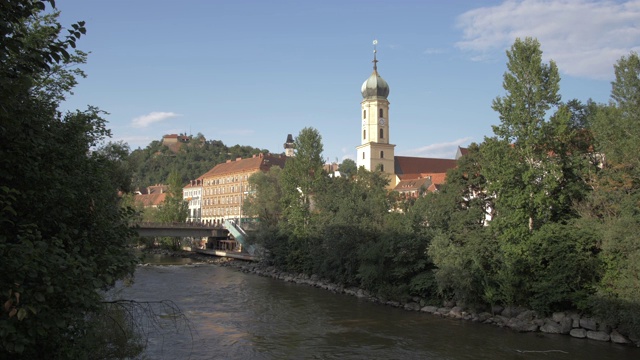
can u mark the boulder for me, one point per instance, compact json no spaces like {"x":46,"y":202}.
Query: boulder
{"x":598,"y":335}
{"x":429,"y":309}
{"x":444,"y":310}
{"x":618,"y":338}
{"x":484,"y":316}
{"x":449,"y":304}
{"x":456,"y":312}
{"x":558,"y":316}
{"x":412,"y":306}
{"x":566,"y":324}
{"x":527,"y":315}
{"x":588,"y":323}
{"x":512,"y":311}
{"x":551,"y":327}
{"x":496,"y":309}
{"x":578,"y":333}
{"x":575,"y":319}
{"x":521,"y":326}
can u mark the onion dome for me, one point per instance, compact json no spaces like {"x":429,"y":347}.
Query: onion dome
{"x":375,"y":87}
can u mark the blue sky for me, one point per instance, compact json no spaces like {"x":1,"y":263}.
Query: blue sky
{"x":251,"y":72}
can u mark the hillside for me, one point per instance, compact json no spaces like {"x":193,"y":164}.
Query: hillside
{"x":191,"y":158}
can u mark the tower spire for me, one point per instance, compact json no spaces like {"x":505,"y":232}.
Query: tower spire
{"x":375,"y":61}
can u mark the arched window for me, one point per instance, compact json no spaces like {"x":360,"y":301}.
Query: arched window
{"x":364,"y":114}
{"x":381,"y":133}
{"x":381,"y":167}
{"x":381,"y":154}
{"x":363,"y":154}
{"x":381,"y":112}
{"x":364,"y":134}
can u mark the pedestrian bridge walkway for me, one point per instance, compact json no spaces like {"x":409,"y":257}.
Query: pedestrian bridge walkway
{"x":145,"y":229}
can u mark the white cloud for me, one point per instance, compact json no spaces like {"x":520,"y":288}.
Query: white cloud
{"x":152,"y":117}
{"x":446,"y":150}
{"x":584,"y":37}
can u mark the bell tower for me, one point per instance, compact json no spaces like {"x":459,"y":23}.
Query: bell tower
{"x":375,"y":150}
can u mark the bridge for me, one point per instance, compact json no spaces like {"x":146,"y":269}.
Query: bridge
{"x":216,"y":235}
{"x":145,"y":229}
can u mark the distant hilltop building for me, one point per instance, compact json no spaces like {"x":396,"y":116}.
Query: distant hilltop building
{"x":289,"y":146}
{"x":175,"y":141}
{"x":407,"y":175}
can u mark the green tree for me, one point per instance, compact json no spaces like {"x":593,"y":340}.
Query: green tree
{"x":300,"y":180}
{"x":535,"y":165}
{"x":63,"y":235}
{"x":263,"y":203}
{"x":348,"y":168}
{"x":611,"y":211}
{"x":174,"y":208}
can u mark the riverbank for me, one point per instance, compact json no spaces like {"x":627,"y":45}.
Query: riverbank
{"x":515,"y":318}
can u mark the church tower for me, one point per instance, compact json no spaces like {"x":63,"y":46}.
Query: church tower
{"x":375,"y":151}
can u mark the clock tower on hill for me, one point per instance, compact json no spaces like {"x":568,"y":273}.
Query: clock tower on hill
{"x":375,"y":152}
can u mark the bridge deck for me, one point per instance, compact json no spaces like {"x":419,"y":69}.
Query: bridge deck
{"x":231,"y":254}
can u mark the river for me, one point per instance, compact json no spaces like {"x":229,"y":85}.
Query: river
{"x":233,"y":315}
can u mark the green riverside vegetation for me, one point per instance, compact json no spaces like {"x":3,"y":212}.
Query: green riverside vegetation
{"x":63,"y":234}
{"x":560,"y":181}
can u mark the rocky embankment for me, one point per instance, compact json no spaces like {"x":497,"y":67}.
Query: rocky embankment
{"x":515,"y":318}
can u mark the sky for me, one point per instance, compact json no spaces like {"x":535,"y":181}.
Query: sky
{"x":251,"y":72}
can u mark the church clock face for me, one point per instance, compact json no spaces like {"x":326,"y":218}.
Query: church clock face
{"x":382,"y":121}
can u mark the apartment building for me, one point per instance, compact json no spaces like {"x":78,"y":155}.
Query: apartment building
{"x":226,"y":186}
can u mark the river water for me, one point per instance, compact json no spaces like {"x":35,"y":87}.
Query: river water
{"x":233,"y":315}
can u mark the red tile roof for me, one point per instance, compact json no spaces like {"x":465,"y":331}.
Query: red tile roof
{"x":406,"y":166}
{"x":147,"y":200}
{"x":412,"y":185}
{"x":260,"y":162}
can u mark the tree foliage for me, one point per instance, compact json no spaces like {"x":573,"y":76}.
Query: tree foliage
{"x":544,"y":214}
{"x":153,"y":164}
{"x":63,"y":234}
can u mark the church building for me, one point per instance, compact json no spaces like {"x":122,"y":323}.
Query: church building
{"x":407,"y":175}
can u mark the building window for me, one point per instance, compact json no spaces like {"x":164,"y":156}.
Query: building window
{"x":364,"y":114}
{"x":381,"y":133}
{"x":363,"y":154}
{"x":364,"y":134}
{"x":381,"y":154}
{"x":381,"y":167}
{"x":381,"y":112}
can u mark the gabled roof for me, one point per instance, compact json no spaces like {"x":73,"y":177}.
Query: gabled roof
{"x":407,"y":167}
{"x":259,"y":162}
{"x":413,"y":184}
{"x":147,"y":200}
{"x":461,"y":152}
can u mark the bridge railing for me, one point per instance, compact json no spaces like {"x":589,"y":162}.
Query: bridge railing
{"x":177,"y":225}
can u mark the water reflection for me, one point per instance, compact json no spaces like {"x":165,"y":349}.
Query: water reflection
{"x":243,"y":316}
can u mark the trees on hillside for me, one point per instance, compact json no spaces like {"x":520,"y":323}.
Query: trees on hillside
{"x":153,"y":164}
{"x":63,"y":234}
